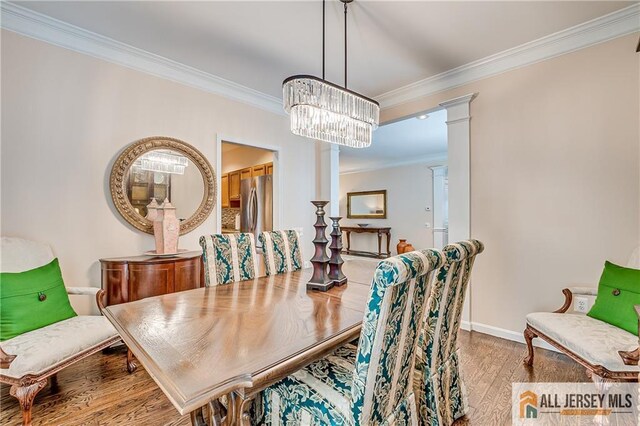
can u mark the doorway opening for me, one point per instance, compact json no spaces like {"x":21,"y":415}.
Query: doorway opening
{"x":246,"y":188}
{"x":407,"y":158}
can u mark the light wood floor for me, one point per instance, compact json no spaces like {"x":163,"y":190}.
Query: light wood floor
{"x":98,"y":390}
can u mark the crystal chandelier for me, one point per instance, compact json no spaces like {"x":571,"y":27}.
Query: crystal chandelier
{"x":325,"y":111}
{"x":157,"y":161}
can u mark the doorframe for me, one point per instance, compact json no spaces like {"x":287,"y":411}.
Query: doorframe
{"x":277,"y":176}
{"x":459,"y":138}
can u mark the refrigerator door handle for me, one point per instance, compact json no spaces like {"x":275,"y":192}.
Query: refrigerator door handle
{"x":254,"y":220}
{"x":250,"y":210}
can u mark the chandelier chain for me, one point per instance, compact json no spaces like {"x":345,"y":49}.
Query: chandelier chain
{"x":345,"y":45}
{"x":323,"y":26}
{"x":326,"y":111}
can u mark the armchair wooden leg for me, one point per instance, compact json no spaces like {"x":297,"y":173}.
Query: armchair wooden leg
{"x":529,"y":335}
{"x":53,"y":383}
{"x":25,"y":396}
{"x":131,"y":362}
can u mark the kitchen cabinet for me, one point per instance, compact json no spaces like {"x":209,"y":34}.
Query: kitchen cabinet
{"x":224,"y":190}
{"x":234,"y":185}
{"x":259,"y":170}
{"x":230,"y":182}
{"x":245,"y":173}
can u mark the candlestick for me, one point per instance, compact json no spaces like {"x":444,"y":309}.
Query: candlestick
{"x":320,"y":280}
{"x":335,"y":262}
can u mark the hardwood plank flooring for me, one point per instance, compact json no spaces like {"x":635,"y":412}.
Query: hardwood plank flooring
{"x":99,"y":391}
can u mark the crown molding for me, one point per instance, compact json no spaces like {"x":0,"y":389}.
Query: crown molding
{"x":42,"y":27}
{"x":613,"y":25}
{"x":428,"y":160}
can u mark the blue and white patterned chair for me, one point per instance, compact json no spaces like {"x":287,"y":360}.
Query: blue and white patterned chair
{"x":282,"y":252}
{"x":371,"y":383}
{"x":229,"y":258}
{"x":440,"y":393}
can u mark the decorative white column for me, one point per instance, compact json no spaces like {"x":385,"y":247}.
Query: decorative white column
{"x":329,"y":188}
{"x":440,"y":213}
{"x":459,"y":167}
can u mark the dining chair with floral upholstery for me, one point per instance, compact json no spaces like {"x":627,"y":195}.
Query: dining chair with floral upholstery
{"x":440,"y":392}
{"x":229,"y":258}
{"x":370,"y":383}
{"x":281,"y":250}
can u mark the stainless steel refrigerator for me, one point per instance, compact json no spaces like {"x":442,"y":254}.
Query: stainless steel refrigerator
{"x":256,"y":205}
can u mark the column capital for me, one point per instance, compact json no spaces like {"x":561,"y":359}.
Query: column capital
{"x":439,"y":170}
{"x":460,"y":100}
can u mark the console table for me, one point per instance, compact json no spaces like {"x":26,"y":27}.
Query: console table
{"x":368,"y":230}
{"x":126,"y":279}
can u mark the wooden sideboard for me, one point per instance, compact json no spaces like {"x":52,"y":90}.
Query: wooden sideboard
{"x":126,"y":279}
{"x":368,"y":230}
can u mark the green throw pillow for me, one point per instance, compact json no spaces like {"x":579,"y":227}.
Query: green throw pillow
{"x":618,"y":292}
{"x":32,"y":299}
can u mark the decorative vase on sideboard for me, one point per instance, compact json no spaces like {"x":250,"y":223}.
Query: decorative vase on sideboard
{"x":401,"y":246}
{"x":166,"y":229}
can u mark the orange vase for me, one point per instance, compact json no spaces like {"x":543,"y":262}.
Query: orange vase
{"x":408,"y":248}
{"x":401,"y":246}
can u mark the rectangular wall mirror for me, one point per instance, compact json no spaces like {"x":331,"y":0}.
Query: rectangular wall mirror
{"x":367,"y":204}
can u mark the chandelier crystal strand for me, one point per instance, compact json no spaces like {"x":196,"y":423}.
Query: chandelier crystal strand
{"x":327,"y":112}
{"x":162,"y":162}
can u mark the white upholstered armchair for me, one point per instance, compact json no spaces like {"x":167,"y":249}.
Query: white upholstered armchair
{"x":28,"y":360}
{"x":606,"y":351}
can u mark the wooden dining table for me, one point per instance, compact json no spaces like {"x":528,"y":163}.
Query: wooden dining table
{"x":237,"y":339}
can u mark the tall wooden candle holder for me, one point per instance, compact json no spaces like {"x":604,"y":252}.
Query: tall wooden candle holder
{"x":335,"y":262}
{"x":320,"y":280}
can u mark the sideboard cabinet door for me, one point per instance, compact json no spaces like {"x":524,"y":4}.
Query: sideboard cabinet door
{"x":150,"y":280}
{"x":187,"y":274}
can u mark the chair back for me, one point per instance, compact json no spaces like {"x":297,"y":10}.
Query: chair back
{"x":439,"y":337}
{"x":281,"y":250}
{"x":382,"y":382}
{"x":19,"y":255}
{"x":229,"y":258}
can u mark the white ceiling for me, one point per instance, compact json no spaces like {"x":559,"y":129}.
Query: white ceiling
{"x":402,"y":142}
{"x":258,"y":44}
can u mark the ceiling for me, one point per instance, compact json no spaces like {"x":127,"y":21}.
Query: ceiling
{"x":258,"y":44}
{"x":402,"y":142}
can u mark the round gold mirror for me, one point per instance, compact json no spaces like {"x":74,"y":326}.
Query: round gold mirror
{"x":161,"y":168}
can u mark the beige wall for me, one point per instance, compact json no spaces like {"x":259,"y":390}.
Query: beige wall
{"x":241,"y":157}
{"x":406,"y":204}
{"x":555,"y":176}
{"x":66,"y":116}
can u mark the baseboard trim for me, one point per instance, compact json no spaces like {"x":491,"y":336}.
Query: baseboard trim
{"x":516,"y":336}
